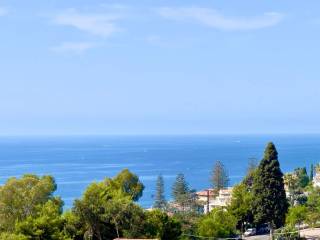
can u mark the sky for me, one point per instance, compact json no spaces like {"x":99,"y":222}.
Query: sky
{"x":159,"y":67}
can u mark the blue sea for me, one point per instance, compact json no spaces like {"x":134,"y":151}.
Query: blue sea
{"x":76,"y":161}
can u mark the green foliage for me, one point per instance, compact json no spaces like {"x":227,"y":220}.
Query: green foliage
{"x":296,"y":195}
{"x":20,"y":198}
{"x":73,"y":228}
{"x":218,"y":223}
{"x":159,"y":225}
{"x":160,"y":201}
{"x":311,"y":173}
{"x":313,"y":205}
{"x":180,"y":190}
{"x":12,"y":236}
{"x":251,"y":172}
{"x":46,"y":224}
{"x":270,"y":204}
{"x":219,"y":176}
{"x":286,"y":233}
{"x":128,"y":183}
{"x":302,"y":177}
{"x":241,"y":205}
{"x":296,"y":215}
{"x":106,"y":209}
{"x":189,"y":221}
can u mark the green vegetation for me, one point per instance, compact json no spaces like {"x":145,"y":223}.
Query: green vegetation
{"x":106,"y":210}
{"x":218,"y":223}
{"x":160,"y":200}
{"x":29,"y":210}
{"x":219,"y":176}
{"x":270,"y":204}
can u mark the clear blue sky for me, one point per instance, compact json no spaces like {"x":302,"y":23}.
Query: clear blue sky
{"x":159,"y":67}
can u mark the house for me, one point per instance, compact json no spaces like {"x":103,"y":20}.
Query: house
{"x":205,"y":194}
{"x":211,"y":200}
{"x":316,"y":178}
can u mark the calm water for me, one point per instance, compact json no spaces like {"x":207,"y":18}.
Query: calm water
{"x":77,"y":161}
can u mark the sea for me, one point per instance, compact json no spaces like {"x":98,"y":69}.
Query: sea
{"x":77,"y":161}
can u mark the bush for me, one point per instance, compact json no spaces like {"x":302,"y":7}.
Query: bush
{"x":286,"y":233}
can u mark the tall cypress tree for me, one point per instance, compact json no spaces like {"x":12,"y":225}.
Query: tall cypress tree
{"x":159,"y":200}
{"x":270,"y":202}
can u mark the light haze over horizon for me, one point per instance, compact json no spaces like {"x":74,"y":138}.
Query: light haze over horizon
{"x":159,"y":67}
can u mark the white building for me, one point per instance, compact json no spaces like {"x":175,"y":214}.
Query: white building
{"x":222,"y":200}
{"x":316,"y":178}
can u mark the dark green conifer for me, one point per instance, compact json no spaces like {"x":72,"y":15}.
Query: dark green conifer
{"x":270,"y":204}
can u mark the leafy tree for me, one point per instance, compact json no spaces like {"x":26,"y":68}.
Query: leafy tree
{"x":218,"y":223}
{"x":302,"y":176}
{"x":127,"y":217}
{"x":296,"y":215}
{"x":46,"y":224}
{"x":160,"y":201}
{"x":159,"y":225}
{"x":241,"y":205}
{"x":313,"y":205}
{"x":73,"y":227}
{"x":89,"y":210}
{"x":188,"y":221}
{"x":270,"y":204}
{"x":21,"y":198}
{"x":128,"y":183}
{"x":219,"y":176}
{"x":107,"y":211}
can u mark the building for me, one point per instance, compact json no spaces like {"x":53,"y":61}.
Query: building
{"x":205,"y":194}
{"x":316,"y":178}
{"x":211,"y":200}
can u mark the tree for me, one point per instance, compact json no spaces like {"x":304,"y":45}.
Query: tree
{"x":159,"y":225}
{"x":160,"y":201}
{"x":311,"y":173}
{"x":313,"y":205}
{"x":107,"y":210}
{"x":270,"y":204}
{"x":219,"y":176}
{"x":21,"y":198}
{"x":296,"y":215}
{"x":241,"y":205}
{"x":251,"y":172}
{"x":295,"y":192}
{"x":217,"y":224}
{"x":128,"y":183}
{"x":180,"y":190}
{"x":302,"y":176}
{"x":46,"y":224}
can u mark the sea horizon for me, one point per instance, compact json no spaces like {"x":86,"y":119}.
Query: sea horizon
{"x":77,"y":161}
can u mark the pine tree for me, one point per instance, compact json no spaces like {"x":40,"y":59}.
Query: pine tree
{"x":270,"y":204}
{"x":160,"y":201}
{"x":180,"y":189}
{"x":219,"y":176}
{"x":311,"y":172}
